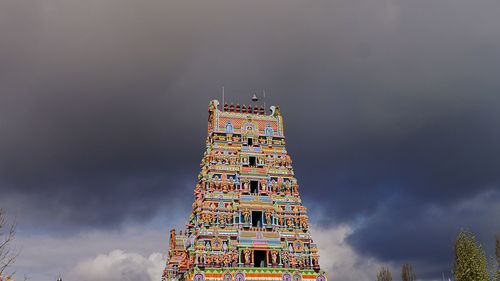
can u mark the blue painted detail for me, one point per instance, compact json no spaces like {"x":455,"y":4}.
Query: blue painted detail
{"x":229,"y":128}
{"x":251,"y":241}
{"x":248,"y":198}
{"x":269,"y":131}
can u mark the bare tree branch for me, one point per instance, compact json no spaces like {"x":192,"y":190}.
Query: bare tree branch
{"x":407,"y":273}
{"x":8,"y":253}
{"x":384,"y":274}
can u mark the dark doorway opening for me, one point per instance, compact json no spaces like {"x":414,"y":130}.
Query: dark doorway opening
{"x":254,"y":186}
{"x":250,"y":141}
{"x":259,"y":258}
{"x":252,"y":161}
{"x":257,"y":219}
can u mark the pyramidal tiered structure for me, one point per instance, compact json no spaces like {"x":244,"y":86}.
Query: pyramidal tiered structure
{"x":248,"y":221}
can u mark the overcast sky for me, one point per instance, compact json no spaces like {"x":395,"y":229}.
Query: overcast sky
{"x":391,"y":107}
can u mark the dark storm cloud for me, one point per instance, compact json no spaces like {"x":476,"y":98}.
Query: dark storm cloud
{"x":391,"y":108}
{"x":396,"y":231}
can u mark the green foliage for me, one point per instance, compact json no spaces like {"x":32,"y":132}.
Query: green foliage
{"x":497,"y":253}
{"x":407,"y":273}
{"x":497,"y":248}
{"x":470,"y":260}
{"x":384,"y":274}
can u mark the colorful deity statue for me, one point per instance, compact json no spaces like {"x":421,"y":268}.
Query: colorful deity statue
{"x":274,"y":186}
{"x":227,"y":260}
{"x":274,"y":257}
{"x":184,"y":260}
{"x":247,"y":253}
{"x":293,"y":261}
{"x":246,"y":216}
{"x":260,"y":161}
{"x":263,"y":185}
{"x":247,"y":213}
{"x":304,"y":223}
{"x":269,"y":214}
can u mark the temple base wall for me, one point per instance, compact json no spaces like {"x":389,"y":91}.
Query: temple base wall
{"x":254,"y":274}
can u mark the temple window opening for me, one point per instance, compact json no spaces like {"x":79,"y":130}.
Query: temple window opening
{"x":252,"y":161}
{"x":254,"y":187}
{"x":256,"y":218}
{"x":260,"y":259}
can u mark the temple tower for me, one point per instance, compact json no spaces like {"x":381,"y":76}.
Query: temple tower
{"x":248,"y":221}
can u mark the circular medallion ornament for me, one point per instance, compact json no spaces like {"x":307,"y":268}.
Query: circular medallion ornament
{"x":298,"y":246}
{"x":321,"y":278}
{"x":286,"y":277}
{"x":198,"y":277}
{"x":239,"y":277}
{"x":217,"y":244}
{"x":297,"y":277}
{"x":228,"y":277}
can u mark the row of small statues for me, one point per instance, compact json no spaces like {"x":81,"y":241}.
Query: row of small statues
{"x":226,"y":259}
{"x":285,"y":187}
{"x":230,"y":207}
{"x":227,"y":219}
{"x":210,"y":218}
{"x":231,"y":256}
{"x":200,"y":204}
{"x":233,"y":159}
{"x":247,"y":257}
{"x":246,"y":216}
{"x":227,"y":153}
{"x":290,"y":260}
{"x":237,"y":138}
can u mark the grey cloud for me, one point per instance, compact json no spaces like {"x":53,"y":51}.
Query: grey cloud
{"x":424,"y":235}
{"x":119,"y":265}
{"x":92,"y":255}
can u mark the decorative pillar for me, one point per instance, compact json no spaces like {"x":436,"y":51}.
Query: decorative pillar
{"x":240,"y":252}
{"x":252,"y":257}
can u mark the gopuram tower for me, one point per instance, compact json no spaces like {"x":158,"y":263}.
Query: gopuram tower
{"x":248,"y":222}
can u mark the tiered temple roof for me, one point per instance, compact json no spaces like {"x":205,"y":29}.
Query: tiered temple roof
{"x":248,"y":221}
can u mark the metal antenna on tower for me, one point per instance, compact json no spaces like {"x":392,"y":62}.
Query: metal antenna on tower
{"x":223,"y":97}
{"x":264,"y":99}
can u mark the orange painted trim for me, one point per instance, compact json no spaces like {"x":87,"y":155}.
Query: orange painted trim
{"x":265,"y":275}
